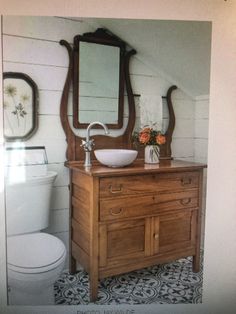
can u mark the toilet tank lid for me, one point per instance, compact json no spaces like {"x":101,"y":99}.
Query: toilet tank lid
{"x":34,"y":250}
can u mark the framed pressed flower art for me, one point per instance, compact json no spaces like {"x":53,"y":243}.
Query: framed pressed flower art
{"x":20,"y":103}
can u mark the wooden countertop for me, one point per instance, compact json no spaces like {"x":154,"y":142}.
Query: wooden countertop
{"x":138,"y":167}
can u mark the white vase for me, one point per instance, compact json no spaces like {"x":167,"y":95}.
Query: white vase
{"x":151,"y":154}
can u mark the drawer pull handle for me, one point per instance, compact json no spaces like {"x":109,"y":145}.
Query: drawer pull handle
{"x":186,"y":181}
{"x":185,"y":201}
{"x":156,"y":236}
{"x":117,"y":212}
{"x":114,"y":191}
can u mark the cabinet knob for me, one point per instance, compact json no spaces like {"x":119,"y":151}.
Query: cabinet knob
{"x":156,"y":236}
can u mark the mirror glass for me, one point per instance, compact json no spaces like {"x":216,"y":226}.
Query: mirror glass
{"x":98,"y":79}
{"x":98,"y":83}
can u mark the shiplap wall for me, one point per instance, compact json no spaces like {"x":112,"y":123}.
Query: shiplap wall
{"x":31,"y":45}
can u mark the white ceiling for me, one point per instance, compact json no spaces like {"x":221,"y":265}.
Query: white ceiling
{"x":177,"y":50}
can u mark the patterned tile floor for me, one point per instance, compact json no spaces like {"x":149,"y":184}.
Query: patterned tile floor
{"x":168,"y":283}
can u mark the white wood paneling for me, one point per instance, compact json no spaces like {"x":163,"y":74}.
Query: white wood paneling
{"x":184,"y":108}
{"x":60,"y":197}
{"x":49,"y":128}
{"x":59,"y":221}
{"x":137,"y":67}
{"x":34,"y":51}
{"x":49,"y":102}
{"x":182,"y":148}
{"x":201,"y":146}
{"x":62,"y":178}
{"x":180,"y":95}
{"x":147,"y":85}
{"x":184,"y":128}
{"x":201,"y":128}
{"x":202,"y":109}
{"x":55,"y":148}
{"x":45,"y":77}
{"x":44,"y":27}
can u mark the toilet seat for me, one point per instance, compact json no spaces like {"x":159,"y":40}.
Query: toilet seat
{"x":35,"y":253}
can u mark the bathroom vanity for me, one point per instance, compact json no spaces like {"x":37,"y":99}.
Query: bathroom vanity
{"x":128,"y":218}
{"x":122,"y":219}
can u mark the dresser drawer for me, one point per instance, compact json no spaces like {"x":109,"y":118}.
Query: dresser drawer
{"x":142,"y":184}
{"x":145,"y":205}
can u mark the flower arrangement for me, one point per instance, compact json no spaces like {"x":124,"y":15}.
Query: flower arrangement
{"x":152,"y":140}
{"x":149,"y":136}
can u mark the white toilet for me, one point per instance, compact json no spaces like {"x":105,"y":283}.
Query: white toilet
{"x":34,"y":259}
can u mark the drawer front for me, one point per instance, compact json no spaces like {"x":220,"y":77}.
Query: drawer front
{"x":142,"y":184}
{"x":123,"y":207}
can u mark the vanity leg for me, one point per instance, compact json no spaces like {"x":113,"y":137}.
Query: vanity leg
{"x":93,"y":289}
{"x":196,"y":263}
{"x":197,"y":257}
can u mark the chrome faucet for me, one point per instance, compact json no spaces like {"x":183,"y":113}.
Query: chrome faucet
{"x":88,"y":144}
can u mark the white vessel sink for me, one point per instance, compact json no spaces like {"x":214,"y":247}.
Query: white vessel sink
{"x":115,"y":157}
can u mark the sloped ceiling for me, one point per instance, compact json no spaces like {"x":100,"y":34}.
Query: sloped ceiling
{"x":177,"y":50}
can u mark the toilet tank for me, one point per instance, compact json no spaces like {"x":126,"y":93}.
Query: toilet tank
{"x":28,"y":189}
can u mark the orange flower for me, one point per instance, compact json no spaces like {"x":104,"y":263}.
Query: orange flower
{"x":144,"y":137}
{"x":160,"y":139}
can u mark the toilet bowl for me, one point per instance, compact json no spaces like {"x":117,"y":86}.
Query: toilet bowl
{"x":35,"y":261}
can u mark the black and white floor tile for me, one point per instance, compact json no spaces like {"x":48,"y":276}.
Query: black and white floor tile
{"x":168,"y":283}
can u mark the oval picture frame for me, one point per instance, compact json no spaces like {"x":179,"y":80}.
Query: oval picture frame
{"x":20,"y":106}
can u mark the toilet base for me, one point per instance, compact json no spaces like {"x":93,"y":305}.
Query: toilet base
{"x":17,"y":297}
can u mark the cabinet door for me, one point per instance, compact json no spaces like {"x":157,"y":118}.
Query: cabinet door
{"x":121,"y":242}
{"x":174,"y":232}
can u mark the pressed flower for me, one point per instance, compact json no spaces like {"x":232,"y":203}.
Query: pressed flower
{"x":19,"y":110}
{"x":24,"y":98}
{"x":10,"y":90}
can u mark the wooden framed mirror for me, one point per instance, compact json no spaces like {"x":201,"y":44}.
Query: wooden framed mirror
{"x":75,"y":153}
{"x":98,"y":79}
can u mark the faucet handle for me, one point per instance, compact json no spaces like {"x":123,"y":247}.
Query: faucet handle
{"x":87,"y":145}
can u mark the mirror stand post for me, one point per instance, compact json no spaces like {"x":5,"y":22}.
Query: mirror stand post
{"x":165,"y":150}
